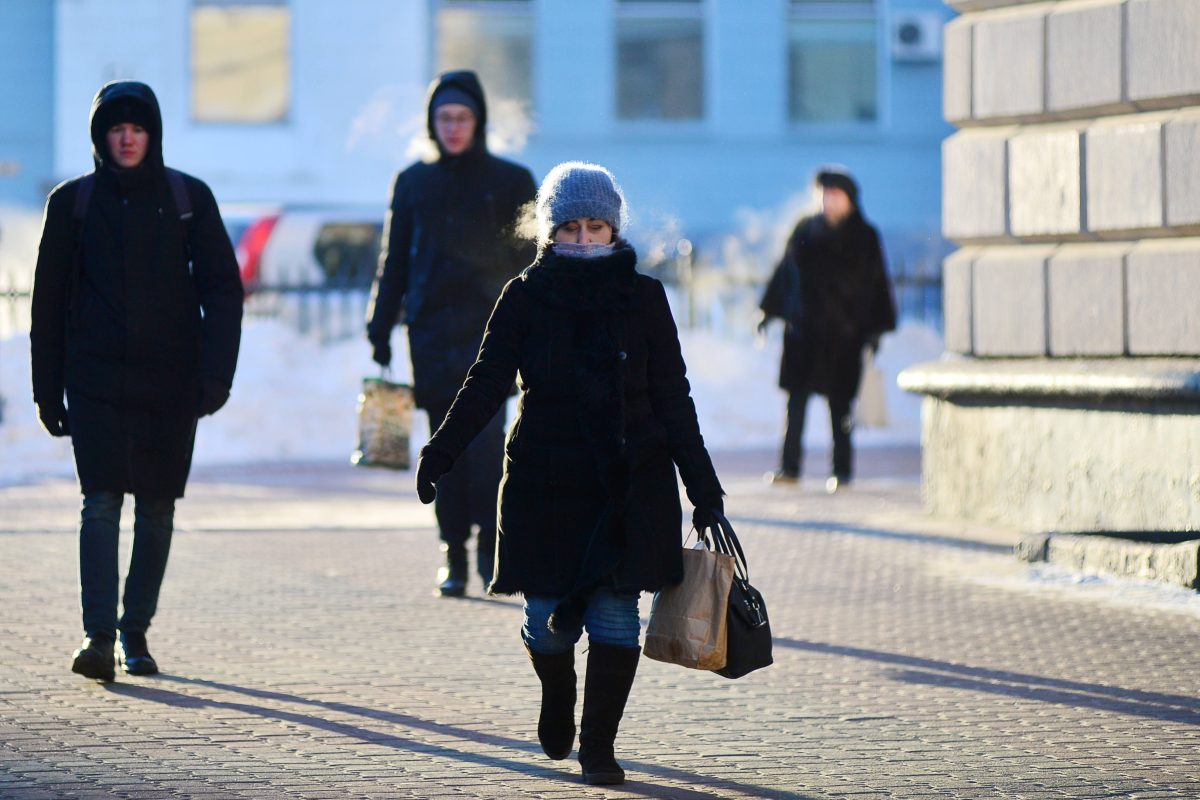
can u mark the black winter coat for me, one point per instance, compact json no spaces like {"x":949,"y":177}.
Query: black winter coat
{"x":450,"y":245}
{"x":831,"y":289}
{"x":124,"y":324}
{"x":589,"y":488}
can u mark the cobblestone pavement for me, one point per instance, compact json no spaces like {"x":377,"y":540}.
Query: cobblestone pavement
{"x":304,"y":656}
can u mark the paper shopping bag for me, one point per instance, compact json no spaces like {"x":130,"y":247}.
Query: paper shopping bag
{"x":688,"y":621}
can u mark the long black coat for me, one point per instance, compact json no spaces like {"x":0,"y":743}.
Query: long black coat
{"x":124,"y":325}
{"x":605,"y":408}
{"x":832,"y":290}
{"x":450,"y":245}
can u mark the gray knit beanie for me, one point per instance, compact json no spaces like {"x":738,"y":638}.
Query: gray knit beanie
{"x":575,"y":190}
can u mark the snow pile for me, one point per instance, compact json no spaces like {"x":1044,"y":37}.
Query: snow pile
{"x":295,"y":399}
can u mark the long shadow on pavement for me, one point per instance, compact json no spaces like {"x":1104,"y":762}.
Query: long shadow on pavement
{"x":830,"y":526}
{"x":1154,"y":705}
{"x":636,"y":788}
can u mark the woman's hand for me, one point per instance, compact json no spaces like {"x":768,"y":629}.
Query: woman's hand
{"x":705,"y":514}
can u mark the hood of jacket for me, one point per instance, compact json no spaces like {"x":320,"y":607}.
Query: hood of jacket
{"x":112,"y":104}
{"x":467,"y":81}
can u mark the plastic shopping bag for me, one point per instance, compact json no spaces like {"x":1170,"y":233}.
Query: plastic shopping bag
{"x":385,"y":417}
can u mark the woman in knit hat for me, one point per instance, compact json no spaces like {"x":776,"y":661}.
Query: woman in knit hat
{"x":589,"y":507}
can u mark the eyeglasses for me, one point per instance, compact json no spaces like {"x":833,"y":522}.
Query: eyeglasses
{"x":454,"y":120}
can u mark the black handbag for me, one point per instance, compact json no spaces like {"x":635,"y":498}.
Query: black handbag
{"x":749,"y":629}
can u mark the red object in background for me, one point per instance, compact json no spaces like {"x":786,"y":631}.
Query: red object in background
{"x":250,"y":249}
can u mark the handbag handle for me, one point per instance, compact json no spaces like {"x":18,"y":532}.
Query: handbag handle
{"x":724,"y":540}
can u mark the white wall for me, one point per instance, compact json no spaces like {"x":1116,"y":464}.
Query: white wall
{"x":358,"y":81}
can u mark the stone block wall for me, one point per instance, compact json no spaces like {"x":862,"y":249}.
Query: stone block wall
{"x":1072,"y":398}
{"x":1079,"y":123}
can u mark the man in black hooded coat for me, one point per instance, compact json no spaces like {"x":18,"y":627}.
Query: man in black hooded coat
{"x":832,"y":291}
{"x":449,"y":248}
{"x":137,"y":309}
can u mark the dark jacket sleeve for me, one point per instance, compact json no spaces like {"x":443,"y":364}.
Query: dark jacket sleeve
{"x":671,"y":398}
{"x":489,"y":380}
{"x":391,"y":279}
{"x":781,"y":299}
{"x":882,"y":315}
{"x":218,"y":286}
{"x":51,"y":287}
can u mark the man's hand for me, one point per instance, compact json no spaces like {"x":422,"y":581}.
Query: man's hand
{"x":381,"y":353}
{"x":431,"y":465}
{"x":54,"y":418}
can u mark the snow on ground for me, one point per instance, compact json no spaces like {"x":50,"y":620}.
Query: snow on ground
{"x":294,"y":398}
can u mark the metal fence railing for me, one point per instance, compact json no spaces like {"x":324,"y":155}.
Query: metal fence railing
{"x":707,"y":301}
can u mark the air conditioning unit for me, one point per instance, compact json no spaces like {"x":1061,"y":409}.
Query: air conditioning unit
{"x":916,"y":36}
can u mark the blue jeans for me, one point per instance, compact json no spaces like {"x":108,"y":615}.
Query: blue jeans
{"x":100,"y":523}
{"x":611,"y":618}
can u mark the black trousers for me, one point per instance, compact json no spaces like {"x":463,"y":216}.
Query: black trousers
{"x":466,"y":495}
{"x":841,"y":423}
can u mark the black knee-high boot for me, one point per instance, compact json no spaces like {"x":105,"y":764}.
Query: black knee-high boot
{"x":556,"y":723}
{"x":609,"y":678}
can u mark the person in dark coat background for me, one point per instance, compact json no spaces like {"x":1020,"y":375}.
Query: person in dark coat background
{"x":832,"y":291}
{"x":589,"y":512}
{"x":449,"y":247}
{"x":137,"y":318}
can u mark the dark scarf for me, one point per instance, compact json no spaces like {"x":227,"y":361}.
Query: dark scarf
{"x":597,"y":292}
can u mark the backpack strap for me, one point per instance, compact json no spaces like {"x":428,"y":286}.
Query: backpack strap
{"x":83,"y":195}
{"x":183,"y":204}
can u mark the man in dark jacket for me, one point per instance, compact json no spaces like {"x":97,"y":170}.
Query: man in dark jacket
{"x":449,"y":248}
{"x":137,"y":309}
{"x":832,"y":291}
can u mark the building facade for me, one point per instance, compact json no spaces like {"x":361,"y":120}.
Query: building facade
{"x":704,"y":108}
{"x":1071,"y":400}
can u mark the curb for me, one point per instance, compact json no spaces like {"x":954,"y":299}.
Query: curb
{"x":1175,"y":564}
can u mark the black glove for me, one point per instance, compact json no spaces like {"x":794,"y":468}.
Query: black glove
{"x":213,"y":394}
{"x":431,"y":465}
{"x":381,"y":353}
{"x":705,"y":514}
{"x":54,"y":418}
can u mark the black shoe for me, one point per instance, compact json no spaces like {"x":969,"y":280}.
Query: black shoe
{"x":135,"y":655}
{"x":782,"y":476}
{"x":836,"y":483}
{"x":452,"y":578}
{"x":94,"y":659}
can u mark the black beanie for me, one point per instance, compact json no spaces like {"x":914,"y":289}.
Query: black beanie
{"x":838,"y":179}
{"x":453,"y":94}
{"x":124,"y":110}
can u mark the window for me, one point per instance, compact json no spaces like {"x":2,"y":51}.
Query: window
{"x":832,"y":61}
{"x":660,"y":60}
{"x":495,"y":39}
{"x":241,"y":61}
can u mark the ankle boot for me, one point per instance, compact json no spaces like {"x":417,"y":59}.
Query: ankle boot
{"x":609,"y":678}
{"x":94,"y":658}
{"x":485,"y":559}
{"x":452,"y":578}
{"x":556,"y":723}
{"x":135,"y":654}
